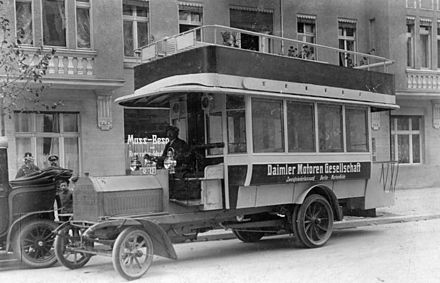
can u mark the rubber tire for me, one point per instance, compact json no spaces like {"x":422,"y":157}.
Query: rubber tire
{"x":295,"y":237}
{"x":119,"y":248}
{"x":60,"y":248}
{"x":248,"y":237}
{"x":303,"y":212}
{"x":43,"y":228}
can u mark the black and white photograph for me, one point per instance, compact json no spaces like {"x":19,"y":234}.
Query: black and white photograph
{"x":220,"y":141}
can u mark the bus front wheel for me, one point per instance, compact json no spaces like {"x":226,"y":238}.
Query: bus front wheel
{"x":314,"y":221}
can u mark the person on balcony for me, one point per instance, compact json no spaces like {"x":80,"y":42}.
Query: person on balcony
{"x":28,"y":167}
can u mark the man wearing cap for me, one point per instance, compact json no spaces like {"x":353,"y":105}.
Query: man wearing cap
{"x":179,"y":146}
{"x":53,"y":161}
{"x":28,"y":167}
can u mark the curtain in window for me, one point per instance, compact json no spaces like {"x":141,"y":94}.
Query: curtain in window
{"x":24,"y":22}
{"x":71,"y":154}
{"x":83,"y":27}
{"x":54,"y":22}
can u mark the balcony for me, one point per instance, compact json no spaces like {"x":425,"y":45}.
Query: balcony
{"x":72,"y":68}
{"x":425,"y":80}
{"x":261,"y":43}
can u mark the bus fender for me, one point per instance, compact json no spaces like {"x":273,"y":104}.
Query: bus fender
{"x":46,"y":214}
{"x":325,"y":192}
{"x":161,"y":242}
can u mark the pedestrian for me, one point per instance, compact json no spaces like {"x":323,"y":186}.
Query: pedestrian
{"x":28,"y":167}
{"x":53,"y":161}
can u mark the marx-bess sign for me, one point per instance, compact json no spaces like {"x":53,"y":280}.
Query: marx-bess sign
{"x":308,"y":172}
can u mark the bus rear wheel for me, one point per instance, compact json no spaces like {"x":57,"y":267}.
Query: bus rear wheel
{"x":248,"y":236}
{"x":314,"y":221}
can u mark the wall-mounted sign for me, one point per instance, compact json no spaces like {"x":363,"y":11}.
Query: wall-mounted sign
{"x":308,"y":172}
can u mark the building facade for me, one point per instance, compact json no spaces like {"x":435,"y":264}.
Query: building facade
{"x":96,"y":42}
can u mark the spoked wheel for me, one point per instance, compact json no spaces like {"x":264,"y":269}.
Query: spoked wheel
{"x":248,"y":236}
{"x":314,"y":221}
{"x":34,"y":244}
{"x":132,"y":253}
{"x":66,"y":241}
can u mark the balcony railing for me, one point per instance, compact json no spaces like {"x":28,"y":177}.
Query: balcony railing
{"x":423,"y":79}
{"x":262,"y":43}
{"x":77,"y":63}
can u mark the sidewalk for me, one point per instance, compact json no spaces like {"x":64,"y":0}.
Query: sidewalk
{"x":410,"y":205}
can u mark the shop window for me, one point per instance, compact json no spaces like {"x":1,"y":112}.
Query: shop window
{"x":236,"y":119}
{"x":301,"y":126}
{"x":23,"y":20}
{"x":425,"y":46}
{"x":330,"y":128}
{"x":356,"y":125}
{"x":347,"y":41}
{"x":406,"y":139}
{"x":190,"y":17}
{"x":83,"y":24}
{"x":135,"y":17}
{"x":410,"y":43}
{"x":54,"y":22}
{"x":267,"y":125}
{"x":46,"y":133}
{"x":256,"y":20}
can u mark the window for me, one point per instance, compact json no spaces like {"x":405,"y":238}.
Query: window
{"x":438,"y":45}
{"x":23,"y":15}
{"x":330,"y":128}
{"x":425,"y":45}
{"x":411,"y":3}
{"x":410,"y":44}
{"x":135,"y":16}
{"x":426,"y":4}
{"x":267,"y":125}
{"x":347,"y":41}
{"x":406,"y":139}
{"x":257,"y":20}
{"x":306,"y":32}
{"x":235,"y":113}
{"x":356,"y":125}
{"x":190,"y":16}
{"x":301,"y":126}
{"x":47,"y":133}
{"x":54,"y":22}
{"x":83,"y":24}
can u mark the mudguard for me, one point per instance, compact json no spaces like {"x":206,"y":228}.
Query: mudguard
{"x":161,"y":242}
{"x":326,"y":192}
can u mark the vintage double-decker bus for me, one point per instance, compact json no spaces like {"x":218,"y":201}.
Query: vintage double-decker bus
{"x":280,"y":142}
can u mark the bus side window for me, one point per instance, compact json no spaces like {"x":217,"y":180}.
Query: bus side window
{"x":330,"y":128}
{"x":301,"y":126}
{"x":236,"y":123}
{"x":267,"y":125}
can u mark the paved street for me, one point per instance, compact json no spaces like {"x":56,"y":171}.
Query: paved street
{"x":403,"y":252}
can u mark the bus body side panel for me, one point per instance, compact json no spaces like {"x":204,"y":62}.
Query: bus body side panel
{"x":381,"y":185}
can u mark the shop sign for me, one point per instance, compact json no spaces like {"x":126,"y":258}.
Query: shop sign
{"x":308,"y":172}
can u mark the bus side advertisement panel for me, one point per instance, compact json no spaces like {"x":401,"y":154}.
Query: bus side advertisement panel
{"x":276,"y":173}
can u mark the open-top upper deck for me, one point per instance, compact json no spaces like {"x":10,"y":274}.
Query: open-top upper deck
{"x":221,"y":59}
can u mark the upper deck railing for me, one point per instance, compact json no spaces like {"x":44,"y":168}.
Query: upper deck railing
{"x":261,"y":43}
